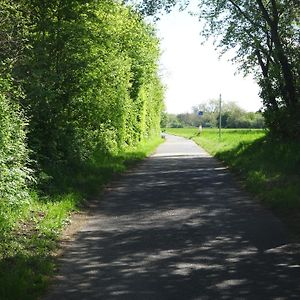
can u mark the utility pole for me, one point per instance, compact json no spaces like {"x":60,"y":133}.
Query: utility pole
{"x":220,"y":115}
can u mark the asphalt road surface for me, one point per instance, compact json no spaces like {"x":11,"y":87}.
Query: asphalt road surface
{"x":178,"y":226}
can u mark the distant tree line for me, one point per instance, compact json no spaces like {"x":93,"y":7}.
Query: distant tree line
{"x":232,"y":116}
{"x":78,"y":79}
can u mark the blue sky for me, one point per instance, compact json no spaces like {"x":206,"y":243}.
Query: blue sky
{"x":193,"y":73}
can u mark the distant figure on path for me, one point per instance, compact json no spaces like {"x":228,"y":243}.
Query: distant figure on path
{"x":199,"y":129}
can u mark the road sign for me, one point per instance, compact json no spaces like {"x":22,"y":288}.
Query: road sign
{"x":200,"y":113}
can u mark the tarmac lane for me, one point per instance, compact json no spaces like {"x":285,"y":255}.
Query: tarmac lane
{"x":178,"y":226}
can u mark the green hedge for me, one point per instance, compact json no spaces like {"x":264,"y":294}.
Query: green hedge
{"x":86,"y":76}
{"x":14,"y":173}
{"x":90,"y":76}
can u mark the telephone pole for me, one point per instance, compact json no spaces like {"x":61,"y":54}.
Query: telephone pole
{"x":220,"y":115}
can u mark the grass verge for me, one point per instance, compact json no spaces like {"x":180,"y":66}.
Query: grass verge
{"x":269,"y":168}
{"x":30,"y":233}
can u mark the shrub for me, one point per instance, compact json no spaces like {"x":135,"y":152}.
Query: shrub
{"x":14,"y":172}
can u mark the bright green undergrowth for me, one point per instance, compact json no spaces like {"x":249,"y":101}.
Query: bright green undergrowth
{"x":29,"y":233}
{"x":270,"y":168}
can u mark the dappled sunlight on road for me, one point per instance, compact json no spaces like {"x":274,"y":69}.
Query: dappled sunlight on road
{"x":179,"y":227}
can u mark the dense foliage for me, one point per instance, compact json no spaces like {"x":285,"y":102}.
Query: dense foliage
{"x":80,"y":98}
{"x":90,"y":77}
{"x":78,"y":83}
{"x":14,"y":174}
{"x":88,"y":71}
{"x":265,"y":36}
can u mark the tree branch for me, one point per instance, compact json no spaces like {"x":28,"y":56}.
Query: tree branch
{"x":264,"y":12}
{"x":275,"y":11}
{"x":246,"y":16}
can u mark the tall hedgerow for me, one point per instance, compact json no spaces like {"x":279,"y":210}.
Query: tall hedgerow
{"x":14,"y":172}
{"x":90,"y":78}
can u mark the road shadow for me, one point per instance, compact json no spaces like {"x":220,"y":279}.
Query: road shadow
{"x":178,"y":227}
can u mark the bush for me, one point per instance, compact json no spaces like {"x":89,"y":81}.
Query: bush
{"x":14,"y":172}
{"x":91,"y":80}
{"x":284,"y":123}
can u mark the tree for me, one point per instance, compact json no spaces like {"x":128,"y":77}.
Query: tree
{"x":14,"y":171}
{"x":78,"y":81}
{"x":90,"y":77}
{"x":210,"y":110}
{"x":233,"y":116}
{"x":265,"y":35}
{"x":13,"y":29}
{"x":14,"y":162}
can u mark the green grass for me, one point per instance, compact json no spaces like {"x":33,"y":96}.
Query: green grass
{"x":25,"y":261}
{"x":269,"y":168}
{"x":29,"y":234}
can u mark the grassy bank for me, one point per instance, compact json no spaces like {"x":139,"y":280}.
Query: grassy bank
{"x":29,"y":234}
{"x":269,"y":168}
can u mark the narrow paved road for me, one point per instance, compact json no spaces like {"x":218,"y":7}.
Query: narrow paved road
{"x":178,"y":226}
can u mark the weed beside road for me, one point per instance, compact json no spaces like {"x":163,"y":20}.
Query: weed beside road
{"x":269,"y":168}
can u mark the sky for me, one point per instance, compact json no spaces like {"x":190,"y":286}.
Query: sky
{"x":193,"y":73}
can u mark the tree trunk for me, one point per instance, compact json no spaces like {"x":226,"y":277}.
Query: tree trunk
{"x":289,"y":86}
{"x":289,"y":90}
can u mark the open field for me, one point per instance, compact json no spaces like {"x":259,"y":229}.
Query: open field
{"x":269,"y":169}
{"x":29,"y":234}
